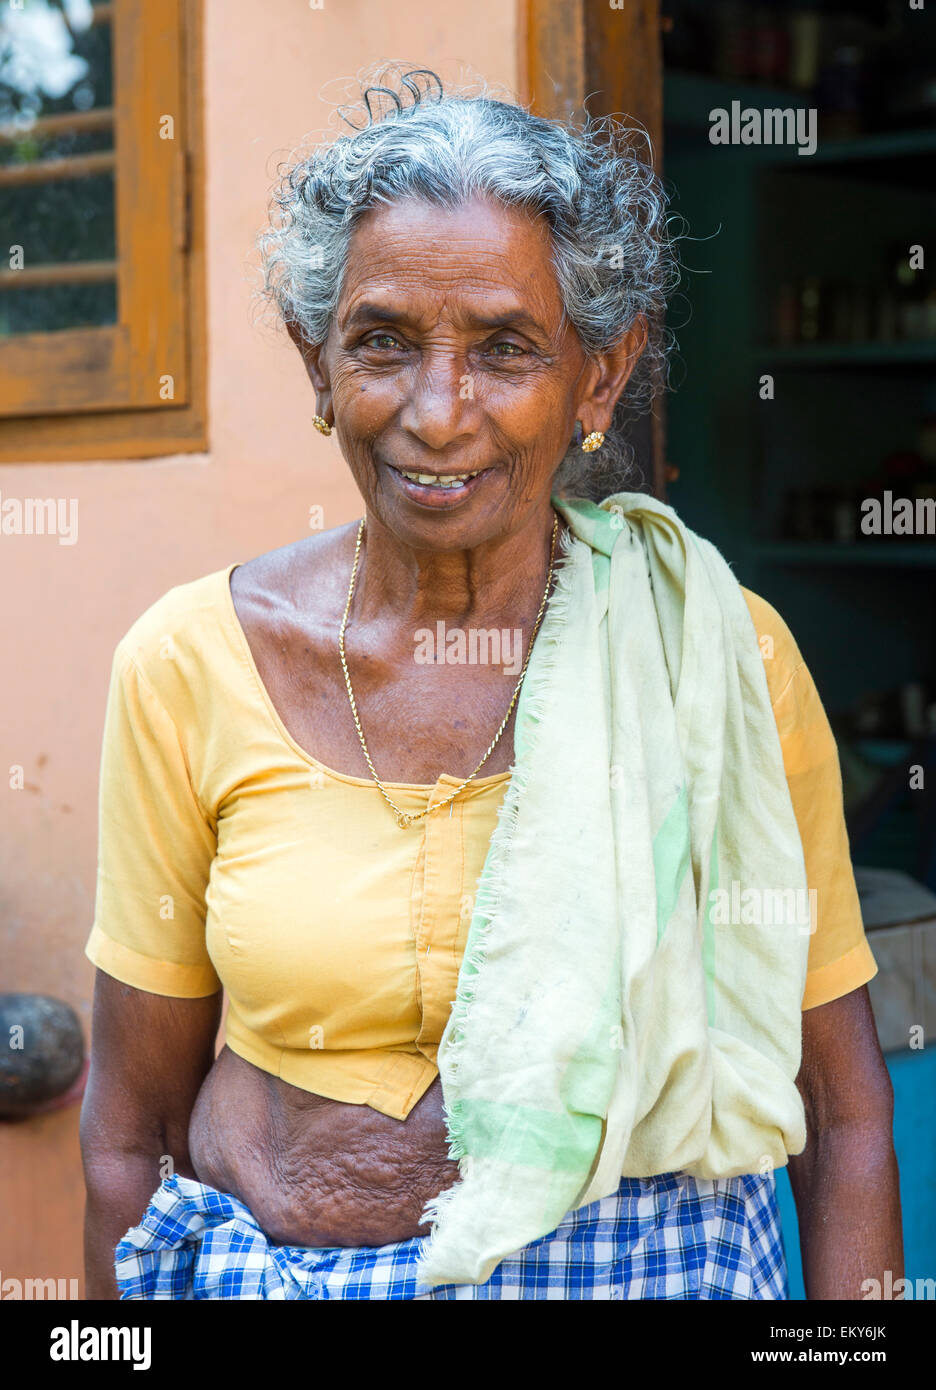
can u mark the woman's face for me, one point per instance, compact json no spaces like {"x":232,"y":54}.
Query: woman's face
{"x":448,"y":355}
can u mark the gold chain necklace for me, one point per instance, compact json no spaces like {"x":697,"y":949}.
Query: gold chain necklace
{"x":403,"y":818}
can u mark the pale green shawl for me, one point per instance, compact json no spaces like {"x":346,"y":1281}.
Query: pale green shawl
{"x":607,"y":1022}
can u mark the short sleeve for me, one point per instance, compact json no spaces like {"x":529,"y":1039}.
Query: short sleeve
{"x":155,"y":849}
{"x":840,"y":958}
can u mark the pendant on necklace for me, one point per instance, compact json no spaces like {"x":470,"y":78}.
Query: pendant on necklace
{"x":402,"y":819}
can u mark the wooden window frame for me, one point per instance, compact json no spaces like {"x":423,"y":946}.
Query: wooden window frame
{"x":570,"y":49}
{"x":97,"y":393}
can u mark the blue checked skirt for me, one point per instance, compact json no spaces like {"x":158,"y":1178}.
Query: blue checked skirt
{"x":667,"y":1237}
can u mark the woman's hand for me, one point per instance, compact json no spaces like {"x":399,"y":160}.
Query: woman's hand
{"x":845,"y":1181}
{"x":149,"y":1057}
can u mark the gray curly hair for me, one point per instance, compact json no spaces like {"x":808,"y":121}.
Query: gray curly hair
{"x":613,"y":251}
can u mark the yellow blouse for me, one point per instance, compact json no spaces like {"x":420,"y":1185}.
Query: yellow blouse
{"x":231,"y":857}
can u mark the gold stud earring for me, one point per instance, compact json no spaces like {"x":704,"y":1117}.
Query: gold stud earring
{"x":321,"y":424}
{"x":592,"y":441}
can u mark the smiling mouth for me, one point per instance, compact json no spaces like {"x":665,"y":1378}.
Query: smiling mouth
{"x":447,"y":482}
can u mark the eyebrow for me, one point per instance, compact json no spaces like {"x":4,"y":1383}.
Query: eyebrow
{"x":366,"y":313}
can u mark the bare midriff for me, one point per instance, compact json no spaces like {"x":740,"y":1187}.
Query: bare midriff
{"x":314,"y":1171}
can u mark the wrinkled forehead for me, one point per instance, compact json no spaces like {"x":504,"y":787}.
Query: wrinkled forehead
{"x":480,"y":258}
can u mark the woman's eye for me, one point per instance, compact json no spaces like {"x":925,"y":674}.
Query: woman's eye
{"x":510,"y":349}
{"x":382,"y":340}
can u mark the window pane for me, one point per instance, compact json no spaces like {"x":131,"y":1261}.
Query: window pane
{"x":71,"y":220}
{"x":55,"y":110}
{"x":57,"y":306}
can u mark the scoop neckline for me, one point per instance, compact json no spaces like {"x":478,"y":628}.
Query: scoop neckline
{"x":240,"y":635}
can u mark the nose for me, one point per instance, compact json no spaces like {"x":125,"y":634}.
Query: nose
{"x":440,"y":409}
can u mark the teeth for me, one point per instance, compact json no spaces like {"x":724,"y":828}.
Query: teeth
{"x":430,"y":479}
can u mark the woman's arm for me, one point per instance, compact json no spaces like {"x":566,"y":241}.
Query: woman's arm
{"x":845,"y":1181}
{"x":149,"y":1056}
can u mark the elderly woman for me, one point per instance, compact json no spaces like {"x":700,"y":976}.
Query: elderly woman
{"x":509,"y":822}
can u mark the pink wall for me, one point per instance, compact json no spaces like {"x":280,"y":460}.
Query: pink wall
{"x":145,"y":526}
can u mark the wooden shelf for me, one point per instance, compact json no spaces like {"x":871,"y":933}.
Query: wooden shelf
{"x":688,"y":97}
{"x":885,"y":554}
{"x":902,"y":157}
{"x":901,"y":352}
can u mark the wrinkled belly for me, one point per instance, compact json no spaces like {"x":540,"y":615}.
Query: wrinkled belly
{"x":315,"y":1171}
